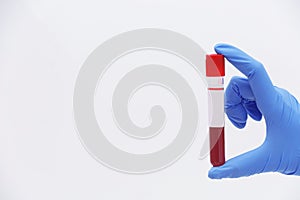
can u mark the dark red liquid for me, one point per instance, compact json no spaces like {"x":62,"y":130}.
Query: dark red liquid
{"x":217,"y":147}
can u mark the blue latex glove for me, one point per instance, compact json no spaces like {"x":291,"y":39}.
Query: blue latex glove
{"x":256,"y":96}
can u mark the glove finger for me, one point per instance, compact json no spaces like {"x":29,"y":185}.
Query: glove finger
{"x":237,"y":115}
{"x":252,"y":162}
{"x":252,"y":110}
{"x":239,"y":102}
{"x":258,"y":78}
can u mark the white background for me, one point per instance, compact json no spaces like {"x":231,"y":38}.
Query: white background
{"x":42,"y":47}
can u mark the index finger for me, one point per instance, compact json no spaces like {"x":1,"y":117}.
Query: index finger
{"x":258,"y":78}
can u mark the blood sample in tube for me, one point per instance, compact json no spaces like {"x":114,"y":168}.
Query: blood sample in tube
{"x":215,"y":72}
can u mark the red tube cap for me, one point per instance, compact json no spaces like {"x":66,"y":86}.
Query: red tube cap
{"x":215,"y":65}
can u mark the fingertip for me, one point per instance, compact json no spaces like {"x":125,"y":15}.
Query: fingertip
{"x":237,"y":116}
{"x":256,"y":116}
{"x":220,"y":172}
{"x":220,"y":47}
{"x":239,"y":125}
{"x":213,"y":174}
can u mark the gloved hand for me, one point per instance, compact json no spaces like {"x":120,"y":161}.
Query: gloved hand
{"x":256,"y":96}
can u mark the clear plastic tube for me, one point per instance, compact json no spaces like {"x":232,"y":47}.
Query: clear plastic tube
{"x":215,"y":72}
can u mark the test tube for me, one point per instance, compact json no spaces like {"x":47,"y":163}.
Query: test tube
{"x":215,"y":72}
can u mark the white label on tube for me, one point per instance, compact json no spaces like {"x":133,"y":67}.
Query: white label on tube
{"x":216,"y":108}
{"x":215,"y":82}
